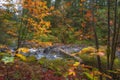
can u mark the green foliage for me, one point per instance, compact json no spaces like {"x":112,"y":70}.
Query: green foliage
{"x":58,"y":65}
{"x":89,"y":60}
{"x":117,"y":63}
{"x":31,"y":59}
{"x":92,"y":61}
{"x":88,"y":76}
{"x":85,"y":42}
{"x":7,"y":26}
{"x":64,"y":34}
{"x":101,"y":26}
{"x":47,"y":38}
{"x":7,"y":59}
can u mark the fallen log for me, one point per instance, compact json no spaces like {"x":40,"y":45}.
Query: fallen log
{"x":68,"y":54}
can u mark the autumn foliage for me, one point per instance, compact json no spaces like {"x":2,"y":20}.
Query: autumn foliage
{"x":31,"y":29}
{"x":37,"y":11}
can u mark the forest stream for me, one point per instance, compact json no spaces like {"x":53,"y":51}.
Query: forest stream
{"x":53,"y":52}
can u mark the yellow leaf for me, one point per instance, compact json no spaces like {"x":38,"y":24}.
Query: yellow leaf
{"x":24,"y":50}
{"x":92,"y":54}
{"x":71,"y":72}
{"x":47,"y":24}
{"x":22,"y":57}
{"x":76,"y":64}
{"x":52,"y":8}
{"x":81,"y":4}
{"x":87,"y":50}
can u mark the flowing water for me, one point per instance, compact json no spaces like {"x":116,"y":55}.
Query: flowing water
{"x":53,"y":52}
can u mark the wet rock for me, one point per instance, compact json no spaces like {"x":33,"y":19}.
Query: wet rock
{"x":4,"y":49}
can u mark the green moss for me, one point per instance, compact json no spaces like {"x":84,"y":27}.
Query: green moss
{"x":31,"y":59}
{"x":58,"y":65}
{"x":92,"y":61}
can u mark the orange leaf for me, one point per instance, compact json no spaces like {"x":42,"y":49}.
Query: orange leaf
{"x":89,"y":13}
{"x":83,"y":24}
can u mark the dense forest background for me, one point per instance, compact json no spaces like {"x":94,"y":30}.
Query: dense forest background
{"x":67,"y":21}
{"x":94,"y":25}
